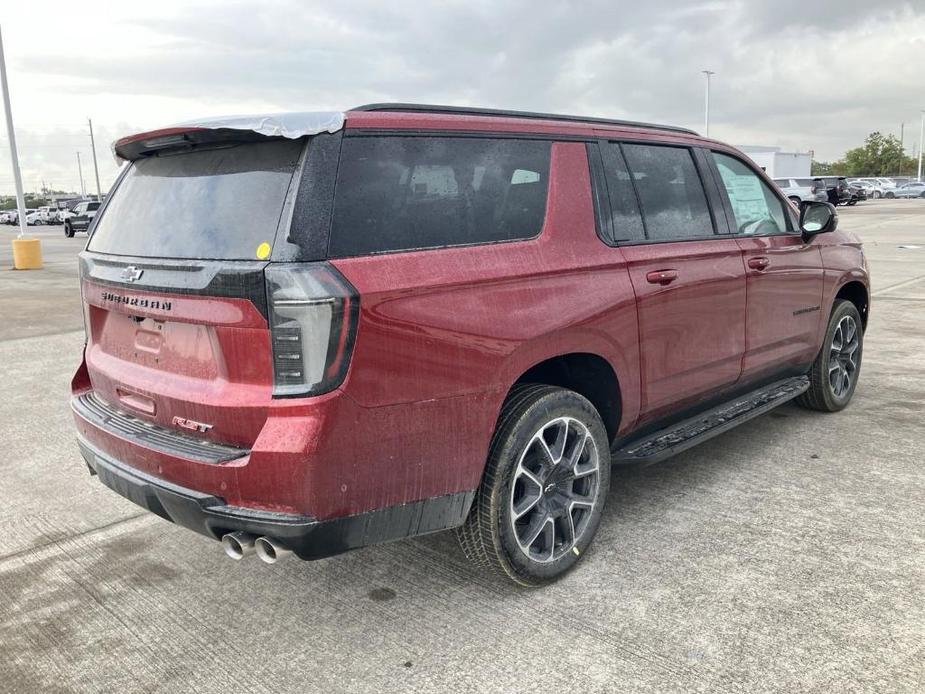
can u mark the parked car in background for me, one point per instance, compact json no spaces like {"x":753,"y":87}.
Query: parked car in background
{"x":33,"y":217}
{"x":48,"y":214}
{"x":900,"y":181}
{"x":330,"y":361}
{"x":802,"y":189}
{"x":911,"y":190}
{"x":837,"y":190}
{"x":857,"y":194}
{"x":873,"y":190}
{"x":80,"y":217}
{"x":6,"y":216}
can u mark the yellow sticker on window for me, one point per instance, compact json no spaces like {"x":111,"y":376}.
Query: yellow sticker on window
{"x":263,"y":251}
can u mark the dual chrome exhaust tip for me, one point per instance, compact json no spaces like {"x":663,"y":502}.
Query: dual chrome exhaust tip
{"x":240,"y":544}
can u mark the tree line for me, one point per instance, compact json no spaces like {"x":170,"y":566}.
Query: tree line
{"x":880,"y":155}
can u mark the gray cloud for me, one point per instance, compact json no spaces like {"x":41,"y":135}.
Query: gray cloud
{"x":785,"y":70}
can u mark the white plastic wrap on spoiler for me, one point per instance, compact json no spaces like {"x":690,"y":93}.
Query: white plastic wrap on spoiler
{"x":289,"y":125}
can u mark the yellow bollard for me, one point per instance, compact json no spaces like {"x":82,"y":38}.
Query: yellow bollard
{"x":27,"y":254}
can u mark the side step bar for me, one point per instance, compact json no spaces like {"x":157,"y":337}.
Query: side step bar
{"x":688,"y":433}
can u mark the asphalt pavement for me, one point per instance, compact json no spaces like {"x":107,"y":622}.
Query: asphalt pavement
{"x":785,"y":556}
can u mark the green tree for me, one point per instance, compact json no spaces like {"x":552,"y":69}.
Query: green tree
{"x":880,"y":155}
{"x":825,"y":168}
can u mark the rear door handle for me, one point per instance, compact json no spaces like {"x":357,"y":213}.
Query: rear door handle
{"x":759,"y":263}
{"x":661,"y":276}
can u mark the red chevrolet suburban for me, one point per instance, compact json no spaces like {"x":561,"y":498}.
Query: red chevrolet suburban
{"x":307,"y":333}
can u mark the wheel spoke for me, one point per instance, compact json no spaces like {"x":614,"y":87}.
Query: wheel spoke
{"x":530,"y":498}
{"x":557,"y":450}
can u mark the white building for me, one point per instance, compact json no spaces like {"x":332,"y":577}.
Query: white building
{"x":780,"y":164}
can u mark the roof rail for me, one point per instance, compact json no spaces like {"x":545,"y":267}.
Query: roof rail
{"x":504,"y":113}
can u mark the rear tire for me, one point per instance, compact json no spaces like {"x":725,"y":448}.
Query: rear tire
{"x":834,"y":374}
{"x":889,"y":196}
{"x":544,"y":487}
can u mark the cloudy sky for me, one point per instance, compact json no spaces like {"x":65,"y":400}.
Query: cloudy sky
{"x":803,"y":75}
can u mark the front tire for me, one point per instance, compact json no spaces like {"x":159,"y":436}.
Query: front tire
{"x":544,"y":487}
{"x":834,"y":374}
{"x":68,"y":230}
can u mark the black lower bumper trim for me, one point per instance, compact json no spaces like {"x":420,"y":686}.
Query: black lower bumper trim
{"x":308,"y":538}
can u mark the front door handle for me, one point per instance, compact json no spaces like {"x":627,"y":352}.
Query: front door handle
{"x":759,"y":263}
{"x":662,"y":277}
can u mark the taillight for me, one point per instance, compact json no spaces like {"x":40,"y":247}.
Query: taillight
{"x":313,"y":316}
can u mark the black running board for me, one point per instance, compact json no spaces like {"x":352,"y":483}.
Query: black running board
{"x":688,"y":433}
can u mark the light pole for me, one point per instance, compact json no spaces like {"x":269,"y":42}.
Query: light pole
{"x":17,"y":178}
{"x":706,"y":115}
{"x":96,"y":170}
{"x":921,"y":141}
{"x":80,"y":172}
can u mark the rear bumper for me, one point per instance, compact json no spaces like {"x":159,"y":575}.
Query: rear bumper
{"x":307,"y":537}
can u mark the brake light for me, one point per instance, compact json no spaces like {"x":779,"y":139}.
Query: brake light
{"x":313,"y":316}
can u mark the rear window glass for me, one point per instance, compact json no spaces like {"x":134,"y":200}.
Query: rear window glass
{"x":402,"y":193}
{"x":218,"y":203}
{"x":674,"y":204}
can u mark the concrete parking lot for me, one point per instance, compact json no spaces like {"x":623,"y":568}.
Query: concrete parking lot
{"x":785,"y":556}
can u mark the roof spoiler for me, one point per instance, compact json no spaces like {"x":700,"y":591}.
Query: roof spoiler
{"x":228,"y":129}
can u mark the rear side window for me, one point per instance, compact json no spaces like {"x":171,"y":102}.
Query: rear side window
{"x":218,"y":203}
{"x":674,"y":205}
{"x":403,"y":193}
{"x":806,"y":182}
{"x":756,"y":208}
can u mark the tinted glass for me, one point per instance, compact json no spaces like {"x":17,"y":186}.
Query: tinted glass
{"x":757,"y":210}
{"x":402,"y":193}
{"x":219,"y":203}
{"x":627,"y":220}
{"x":807,"y":182}
{"x":674,"y":204}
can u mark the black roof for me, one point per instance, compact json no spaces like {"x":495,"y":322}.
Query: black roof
{"x":503,"y":113}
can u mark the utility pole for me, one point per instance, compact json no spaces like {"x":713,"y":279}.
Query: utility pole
{"x":921,"y":142}
{"x":80,"y":172}
{"x":706,"y":116}
{"x":17,"y":178}
{"x":902,"y":146}
{"x":96,"y":170}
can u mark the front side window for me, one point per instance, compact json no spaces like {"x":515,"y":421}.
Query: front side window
{"x":404,"y":193}
{"x":756,"y":208}
{"x":674,"y":205}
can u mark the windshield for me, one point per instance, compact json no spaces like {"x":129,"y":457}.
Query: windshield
{"x":218,"y":203}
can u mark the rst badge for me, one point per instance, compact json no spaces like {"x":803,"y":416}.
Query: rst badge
{"x":190,"y":424}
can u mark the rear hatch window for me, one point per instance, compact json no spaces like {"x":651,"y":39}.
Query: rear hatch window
{"x":217,"y":203}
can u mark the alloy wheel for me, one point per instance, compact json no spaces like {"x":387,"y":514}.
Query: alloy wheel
{"x":554,"y":490}
{"x":843,"y":356}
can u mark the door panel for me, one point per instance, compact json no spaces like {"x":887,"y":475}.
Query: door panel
{"x":691,"y":328}
{"x":784,"y":274}
{"x":784,"y":285}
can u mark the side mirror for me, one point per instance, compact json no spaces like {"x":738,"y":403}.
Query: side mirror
{"x":817,"y":218}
